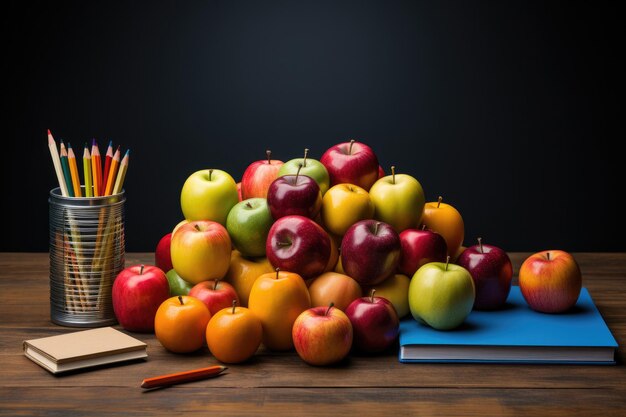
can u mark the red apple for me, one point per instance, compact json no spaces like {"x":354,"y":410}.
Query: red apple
{"x":492,"y":273}
{"x":258,"y":176}
{"x":137,"y":293}
{"x":298,"y":244}
{"x":162,"y":254}
{"x":215,"y":294}
{"x":550,"y":281}
{"x":381,"y":172}
{"x":420,"y":247}
{"x":351,"y":163}
{"x":239,"y":191}
{"x":374,"y":322}
{"x":322,"y":335}
{"x":294,"y":195}
{"x":370,"y":251}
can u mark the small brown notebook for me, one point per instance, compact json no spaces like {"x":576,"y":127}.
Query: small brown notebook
{"x":84,"y":349}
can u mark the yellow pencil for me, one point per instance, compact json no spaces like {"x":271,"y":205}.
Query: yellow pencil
{"x":87,"y":172}
{"x":119,"y":182}
{"x":71,"y":158}
{"x":115,"y":164}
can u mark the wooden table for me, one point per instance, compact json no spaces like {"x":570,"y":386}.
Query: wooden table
{"x":281,"y":384}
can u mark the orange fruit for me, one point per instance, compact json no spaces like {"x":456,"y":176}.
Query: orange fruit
{"x":234,"y":334}
{"x":180,"y":324}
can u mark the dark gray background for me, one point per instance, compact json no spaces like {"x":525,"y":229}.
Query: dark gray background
{"x":508,"y":109}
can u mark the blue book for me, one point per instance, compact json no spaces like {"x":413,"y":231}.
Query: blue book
{"x":514,"y":334}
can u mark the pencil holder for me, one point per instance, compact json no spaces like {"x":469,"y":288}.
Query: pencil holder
{"x":86,"y":254}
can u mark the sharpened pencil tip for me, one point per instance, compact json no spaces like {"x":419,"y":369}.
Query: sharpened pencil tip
{"x":49,"y":133}
{"x":110,"y":143}
{"x":69,"y":145}
{"x":93,"y":142}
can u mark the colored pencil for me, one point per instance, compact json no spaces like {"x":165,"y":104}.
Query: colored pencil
{"x":71,"y":159}
{"x":180,"y":377}
{"x":52,"y":145}
{"x":115,"y":164}
{"x":66,"y":171}
{"x":121,"y":175}
{"x":96,"y":168}
{"x":107,"y":162}
{"x":87,"y":172}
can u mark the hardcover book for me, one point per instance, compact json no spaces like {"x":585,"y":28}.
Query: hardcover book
{"x":514,"y":334}
{"x":83,"y":349}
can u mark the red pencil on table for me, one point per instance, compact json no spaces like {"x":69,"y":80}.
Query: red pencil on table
{"x":107,"y":162}
{"x":181,"y":377}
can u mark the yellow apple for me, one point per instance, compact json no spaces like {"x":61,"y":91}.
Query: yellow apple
{"x":243,"y":272}
{"x":396,"y":290}
{"x":343,"y":205}
{"x":447,"y":221}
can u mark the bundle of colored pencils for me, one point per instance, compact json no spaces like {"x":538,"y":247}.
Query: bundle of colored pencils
{"x":100,"y":180}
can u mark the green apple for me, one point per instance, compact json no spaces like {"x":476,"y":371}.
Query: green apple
{"x":208,"y":194}
{"x":398,"y":200}
{"x":178,"y":286}
{"x":396,"y":290}
{"x":441,"y":295}
{"x":248,"y":224}
{"x":310,"y":167}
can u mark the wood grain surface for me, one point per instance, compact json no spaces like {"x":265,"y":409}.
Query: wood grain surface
{"x":281,"y":384}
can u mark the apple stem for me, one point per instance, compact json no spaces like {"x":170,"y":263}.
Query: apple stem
{"x":197,"y":227}
{"x":350,"y":148}
{"x":329,"y":307}
{"x":234,"y":305}
{"x":283,"y":244}
{"x":141,"y":269}
{"x":372,"y":295}
{"x":376,"y":228}
{"x":306,"y":152}
{"x":277,"y":271}
{"x":439,"y":200}
{"x":180,"y":300}
{"x":298,"y":173}
{"x":215,"y":286}
{"x":269,"y":156}
{"x":393,"y":174}
{"x":447,"y":261}
{"x":548,"y":255}
{"x":480,"y":244}
{"x":248,"y":205}
{"x":424,"y":226}
{"x":210,"y":173}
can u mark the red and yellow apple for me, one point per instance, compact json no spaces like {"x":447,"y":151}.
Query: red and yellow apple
{"x":332,"y":287}
{"x":550,"y":281}
{"x":258,"y":176}
{"x":201,"y":251}
{"x":322,"y":335}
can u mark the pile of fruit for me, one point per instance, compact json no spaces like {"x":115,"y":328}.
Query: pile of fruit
{"x":321,"y":255}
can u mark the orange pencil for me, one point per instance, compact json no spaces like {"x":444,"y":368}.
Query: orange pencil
{"x":181,"y":377}
{"x":115,"y":164}
{"x":96,"y":167}
{"x":107,"y":161}
{"x":71,"y":159}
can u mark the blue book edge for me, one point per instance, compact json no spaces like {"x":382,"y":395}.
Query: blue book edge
{"x":515,"y":334}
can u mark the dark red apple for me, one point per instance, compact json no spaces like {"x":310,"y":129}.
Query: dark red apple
{"x":420,"y":247}
{"x":351,"y":163}
{"x":298,"y":244}
{"x":381,"y":172}
{"x":162,"y":254}
{"x":374,"y":322}
{"x":370,"y":251}
{"x":137,"y":293}
{"x":298,"y":195}
{"x":492,"y":273}
{"x":215,"y":294}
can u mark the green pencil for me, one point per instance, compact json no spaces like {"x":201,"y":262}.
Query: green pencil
{"x":87,"y":172}
{"x":66,"y":170}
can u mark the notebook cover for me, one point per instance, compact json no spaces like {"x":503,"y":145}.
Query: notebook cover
{"x":517,"y":325}
{"x":85,"y":344}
